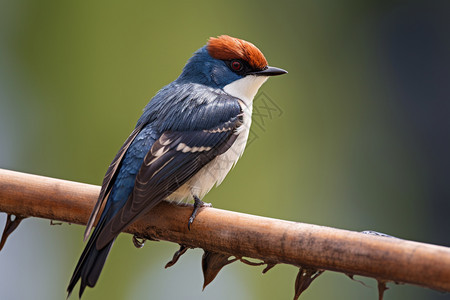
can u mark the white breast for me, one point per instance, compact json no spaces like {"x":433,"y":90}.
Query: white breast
{"x":215,"y":172}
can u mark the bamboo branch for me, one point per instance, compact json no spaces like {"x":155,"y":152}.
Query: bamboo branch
{"x":241,"y":235}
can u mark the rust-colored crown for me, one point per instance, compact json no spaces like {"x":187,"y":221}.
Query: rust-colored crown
{"x":225,"y":47}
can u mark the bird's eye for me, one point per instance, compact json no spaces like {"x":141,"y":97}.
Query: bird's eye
{"x":236,"y":65}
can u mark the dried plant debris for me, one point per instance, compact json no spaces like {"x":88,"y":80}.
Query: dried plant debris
{"x":268,"y":267}
{"x":371,"y":232}
{"x":176,"y":256}
{"x":212,"y":263}
{"x":12,"y":222}
{"x":381,"y":288}
{"x":351,"y":276}
{"x":304,"y":278}
{"x":381,"y":285}
{"x":251,"y":263}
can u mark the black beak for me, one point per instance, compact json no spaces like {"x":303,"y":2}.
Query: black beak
{"x":269,"y":71}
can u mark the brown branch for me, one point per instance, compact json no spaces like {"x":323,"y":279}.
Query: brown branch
{"x":241,"y":235}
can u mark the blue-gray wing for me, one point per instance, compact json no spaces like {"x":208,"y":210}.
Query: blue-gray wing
{"x":109,"y":179}
{"x":172,"y":160}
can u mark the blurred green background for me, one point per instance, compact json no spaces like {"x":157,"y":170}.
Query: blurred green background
{"x":359,"y":139}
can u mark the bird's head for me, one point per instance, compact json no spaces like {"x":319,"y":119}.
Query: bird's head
{"x":232,"y":64}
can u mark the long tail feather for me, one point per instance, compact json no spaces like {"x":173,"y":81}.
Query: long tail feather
{"x":91,"y":262}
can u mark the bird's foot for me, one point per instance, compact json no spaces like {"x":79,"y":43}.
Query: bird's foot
{"x":138,"y":241}
{"x":197,"y":204}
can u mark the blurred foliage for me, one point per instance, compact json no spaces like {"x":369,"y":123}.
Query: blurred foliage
{"x":361,"y":142}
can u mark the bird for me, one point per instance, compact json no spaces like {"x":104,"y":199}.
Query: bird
{"x":190,"y":135}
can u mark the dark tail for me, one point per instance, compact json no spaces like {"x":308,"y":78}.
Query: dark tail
{"x":90,"y":263}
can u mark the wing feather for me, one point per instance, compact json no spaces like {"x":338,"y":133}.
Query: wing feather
{"x":172,"y":160}
{"x":109,"y":179}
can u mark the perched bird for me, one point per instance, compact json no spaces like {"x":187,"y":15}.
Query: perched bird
{"x":188,"y":138}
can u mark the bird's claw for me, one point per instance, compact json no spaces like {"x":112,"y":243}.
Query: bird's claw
{"x":197,"y":204}
{"x":138,"y":242}
{"x":191,"y":220}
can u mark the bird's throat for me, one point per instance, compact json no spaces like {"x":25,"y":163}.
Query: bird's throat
{"x":245,"y":88}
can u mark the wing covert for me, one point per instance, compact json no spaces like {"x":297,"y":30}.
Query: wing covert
{"x":173,"y":159}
